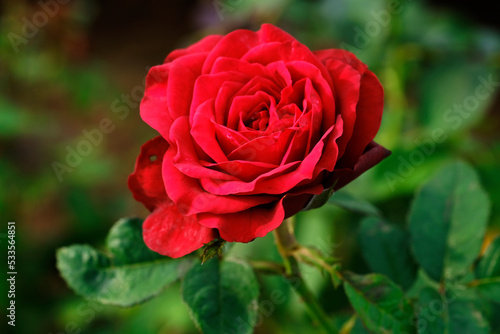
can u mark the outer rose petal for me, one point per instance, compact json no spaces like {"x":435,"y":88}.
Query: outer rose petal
{"x":244,"y":226}
{"x":346,"y":81}
{"x":154,"y":106}
{"x":295,"y":203}
{"x":368,"y":118}
{"x":269,"y":33}
{"x":342,"y":55}
{"x":368,"y":109}
{"x":168,"y":232}
{"x":154,"y":110}
{"x":205,"y":45}
{"x":374,"y":153}
{"x":233,"y":45}
{"x":146,"y":182}
{"x":182,"y":76}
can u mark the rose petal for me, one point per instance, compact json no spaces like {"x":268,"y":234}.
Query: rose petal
{"x":342,"y":55}
{"x":257,"y":90}
{"x":153,"y":107}
{"x":290,"y":51}
{"x":243,"y":170}
{"x":270,"y":33}
{"x":204,"y":45}
{"x":234,"y":65}
{"x":269,"y":149}
{"x":368,"y":110}
{"x":168,"y":232}
{"x":146,"y":182}
{"x":165,"y":230}
{"x":330,"y":154}
{"x":315,"y":110}
{"x":368,"y":118}
{"x":228,"y":139}
{"x":323,"y":96}
{"x":185,"y":156}
{"x":297,"y":149}
{"x":244,"y":226}
{"x":224,"y":100}
{"x":207,"y":87}
{"x":191,"y":198}
{"x":296,"y":202}
{"x":346,"y":81}
{"x":285,"y":177}
{"x":242,"y":106}
{"x":182,"y":77}
{"x":374,"y":153}
{"x":202,"y":132}
{"x":233,"y":45}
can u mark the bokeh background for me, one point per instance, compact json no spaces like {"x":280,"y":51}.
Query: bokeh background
{"x":67,"y":66}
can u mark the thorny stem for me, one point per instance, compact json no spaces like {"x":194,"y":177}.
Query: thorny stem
{"x":287,"y":244}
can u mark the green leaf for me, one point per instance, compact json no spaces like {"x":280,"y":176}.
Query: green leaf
{"x":489,"y":265}
{"x":437,"y":314}
{"x":354,"y":325}
{"x":379,"y":302}
{"x":422,"y":282}
{"x":348,"y":202}
{"x":385,"y":249}
{"x":447,"y":222}
{"x":488,"y":272}
{"x":359,"y":328}
{"x":222,"y":296}
{"x":462,"y":103}
{"x":127,"y":274}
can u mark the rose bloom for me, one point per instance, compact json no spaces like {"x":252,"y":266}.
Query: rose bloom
{"x":252,"y":126}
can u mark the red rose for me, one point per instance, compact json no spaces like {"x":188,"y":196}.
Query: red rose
{"x":252,"y":125}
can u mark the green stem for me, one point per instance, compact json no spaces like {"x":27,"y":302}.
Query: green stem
{"x":287,"y":244}
{"x":270,"y":268}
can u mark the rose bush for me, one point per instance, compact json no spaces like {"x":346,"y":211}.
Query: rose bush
{"x":252,"y":126}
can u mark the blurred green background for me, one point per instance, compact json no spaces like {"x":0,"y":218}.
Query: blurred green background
{"x":67,"y":66}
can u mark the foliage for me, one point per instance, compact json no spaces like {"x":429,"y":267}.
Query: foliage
{"x":446,"y":227}
{"x":128,"y":274}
